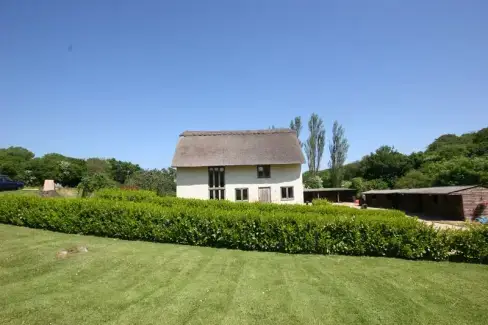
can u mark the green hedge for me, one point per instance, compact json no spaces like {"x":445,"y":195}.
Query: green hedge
{"x":326,"y":209}
{"x":265,"y":231}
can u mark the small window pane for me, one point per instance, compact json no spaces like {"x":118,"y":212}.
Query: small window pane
{"x":283,"y":192}
{"x":238,"y":195}
{"x":244,"y":194}
{"x":222,"y":182}
{"x":211,"y":194}
{"x":222,"y":194}
{"x":210,"y":178}
{"x":290,"y":193}
{"x":264,"y":171}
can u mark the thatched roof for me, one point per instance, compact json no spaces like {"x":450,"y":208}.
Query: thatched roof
{"x":425,"y":190}
{"x":233,"y":148}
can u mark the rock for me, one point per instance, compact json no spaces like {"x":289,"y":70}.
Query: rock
{"x":62,"y":254}
{"x":48,"y":185}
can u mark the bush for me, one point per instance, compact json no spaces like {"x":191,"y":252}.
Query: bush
{"x":91,"y":183}
{"x":325,"y":209}
{"x":321,"y":202}
{"x":276,"y":231}
{"x":248,"y":230}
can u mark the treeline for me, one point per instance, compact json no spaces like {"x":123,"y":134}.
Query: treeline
{"x":449,"y":160}
{"x":21,"y":164}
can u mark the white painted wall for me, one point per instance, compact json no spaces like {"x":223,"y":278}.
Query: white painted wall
{"x":193,"y":182}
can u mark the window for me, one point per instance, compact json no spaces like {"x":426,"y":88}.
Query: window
{"x":287,"y":193}
{"x":242,"y":194}
{"x":216,"y":183}
{"x":264,"y":171}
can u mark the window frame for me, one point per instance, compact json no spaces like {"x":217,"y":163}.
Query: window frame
{"x":241,"y":191}
{"x":266,"y":168}
{"x":216,"y":176}
{"x":287,"y":192}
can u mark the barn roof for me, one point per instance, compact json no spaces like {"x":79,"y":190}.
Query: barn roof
{"x":328,"y":189}
{"x":425,"y":190}
{"x":232,"y":148}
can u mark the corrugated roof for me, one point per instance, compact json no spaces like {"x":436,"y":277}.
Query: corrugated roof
{"x":233,"y":148}
{"x":329,"y":189}
{"x":425,"y":190}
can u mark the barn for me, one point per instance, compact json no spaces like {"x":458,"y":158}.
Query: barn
{"x":446,"y":202}
{"x":330,"y":194}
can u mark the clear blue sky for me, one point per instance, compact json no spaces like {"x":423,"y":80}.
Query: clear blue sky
{"x":123,"y":78}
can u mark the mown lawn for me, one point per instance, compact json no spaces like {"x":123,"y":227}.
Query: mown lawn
{"x":21,"y":192}
{"x":123,"y":282}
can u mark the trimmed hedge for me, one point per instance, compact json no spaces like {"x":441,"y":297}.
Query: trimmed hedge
{"x":265,"y":231}
{"x":258,"y":207}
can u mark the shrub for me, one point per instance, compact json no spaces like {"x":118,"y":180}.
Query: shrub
{"x":91,"y":183}
{"x":278,"y":231}
{"x":118,"y":195}
{"x":321,"y":202}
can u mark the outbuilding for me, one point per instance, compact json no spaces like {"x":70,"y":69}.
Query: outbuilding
{"x":330,"y":194}
{"x":446,"y":202}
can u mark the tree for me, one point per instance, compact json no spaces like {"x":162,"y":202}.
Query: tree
{"x":315,"y":144}
{"x":296,"y":125}
{"x":313,"y":182}
{"x":338,"y":153}
{"x":161,"y":181}
{"x":94,"y":182}
{"x":13,"y":161}
{"x":122,"y":170}
{"x":385,"y":164}
{"x":352,"y":170}
{"x":97,"y":165}
{"x":414,"y":179}
{"x":458,"y":171}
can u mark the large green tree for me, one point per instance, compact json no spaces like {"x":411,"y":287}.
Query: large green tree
{"x":338,"y":153}
{"x":122,"y":170}
{"x":161,"y":181}
{"x":386,"y":164}
{"x":315,"y":144}
{"x":296,"y":125}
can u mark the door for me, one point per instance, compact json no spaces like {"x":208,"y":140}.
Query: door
{"x":264,"y":194}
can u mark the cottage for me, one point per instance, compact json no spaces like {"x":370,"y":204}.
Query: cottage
{"x":259,"y":165}
{"x":446,"y":202}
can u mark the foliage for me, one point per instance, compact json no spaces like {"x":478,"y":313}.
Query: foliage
{"x":13,"y":161}
{"x":333,"y":210}
{"x":386,"y":164}
{"x":458,"y":171}
{"x":98,"y":165}
{"x":122,"y":170}
{"x":321,"y":202}
{"x":296,"y":124}
{"x":313,"y":182}
{"x":315,"y":144}
{"x":413,"y":179}
{"x":361,"y":185}
{"x":94,"y":182}
{"x":160,"y":181}
{"x":352,"y":170}
{"x":338,"y":153}
{"x":276,"y":231}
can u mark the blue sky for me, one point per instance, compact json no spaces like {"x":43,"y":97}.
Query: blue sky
{"x":123,"y":78}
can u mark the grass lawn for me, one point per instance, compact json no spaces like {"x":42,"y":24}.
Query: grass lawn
{"x":21,"y":192}
{"x":123,"y":282}
{"x":64,"y":192}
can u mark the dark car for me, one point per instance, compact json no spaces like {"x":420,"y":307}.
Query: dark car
{"x":6,"y":184}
